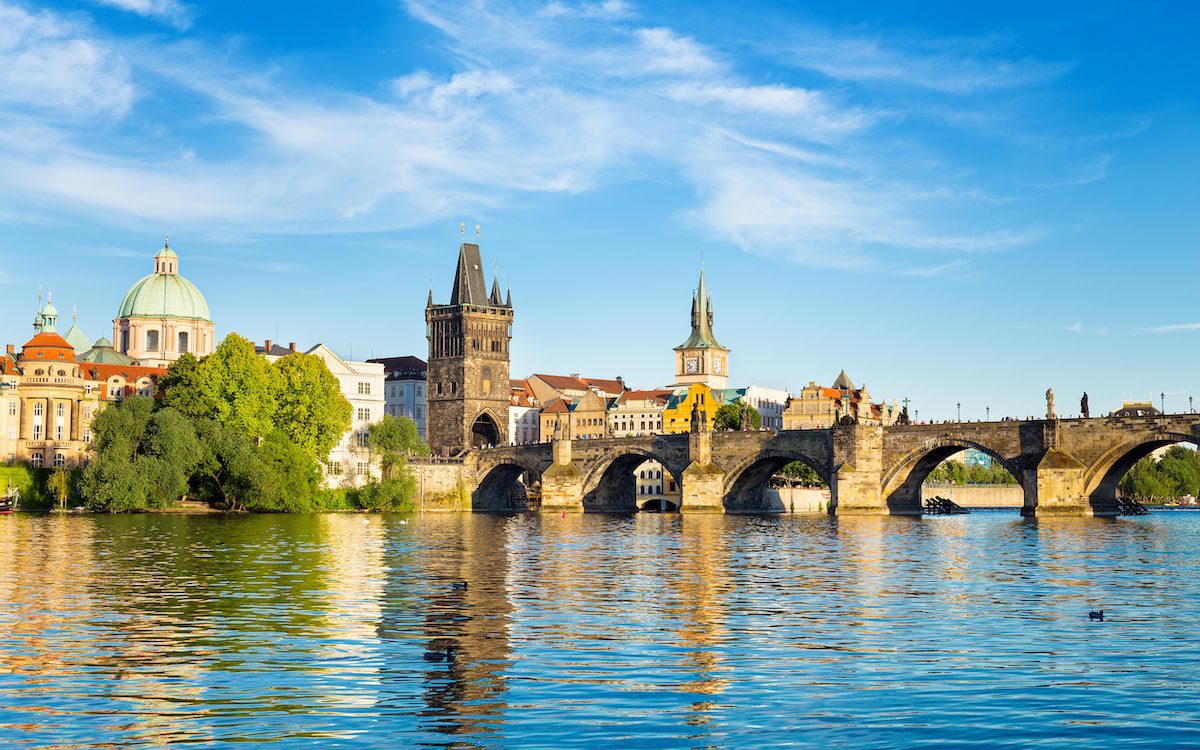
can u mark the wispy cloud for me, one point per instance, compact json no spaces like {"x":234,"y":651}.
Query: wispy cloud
{"x":171,"y":12}
{"x":564,"y":100}
{"x":1173,"y":328}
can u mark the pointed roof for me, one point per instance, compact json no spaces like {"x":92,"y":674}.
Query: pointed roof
{"x":469,"y":286}
{"x":76,"y":338}
{"x":702,"y":336}
{"x":495,"y":296}
{"x":843,"y":382}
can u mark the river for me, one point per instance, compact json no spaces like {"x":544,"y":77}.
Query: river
{"x":648,"y":631}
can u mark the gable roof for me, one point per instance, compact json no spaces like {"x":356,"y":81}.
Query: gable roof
{"x":659,"y":395}
{"x":406,"y":367}
{"x":574,"y":383}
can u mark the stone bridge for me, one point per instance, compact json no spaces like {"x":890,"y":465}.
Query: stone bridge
{"x":1065,"y":467}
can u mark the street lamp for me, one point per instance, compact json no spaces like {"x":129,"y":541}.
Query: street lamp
{"x":1162,"y":401}
{"x":1190,"y":409}
{"x":959,"y":411}
{"x":916,"y":415}
{"x":988,"y":411}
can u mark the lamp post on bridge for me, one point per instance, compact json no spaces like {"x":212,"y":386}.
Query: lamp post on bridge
{"x":1190,"y":409}
{"x":959,"y":405}
{"x":1162,"y":401}
{"x":988,"y":411}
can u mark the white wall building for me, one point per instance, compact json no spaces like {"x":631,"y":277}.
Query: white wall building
{"x":404,"y":388}
{"x":362,"y":383}
{"x":524,"y":415}
{"x":770,"y":403}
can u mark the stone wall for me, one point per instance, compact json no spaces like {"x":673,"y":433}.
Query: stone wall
{"x":441,"y":485}
{"x":982,"y":496}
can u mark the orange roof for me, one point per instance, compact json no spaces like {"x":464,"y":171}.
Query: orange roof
{"x":833,"y":393}
{"x":557,"y":406}
{"x":48,"y":347}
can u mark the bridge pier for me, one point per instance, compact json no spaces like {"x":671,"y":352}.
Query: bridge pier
{"x":703,"y":482}
{"x":1055,"y":487}
{"x":562,"y":483}
{"x":857,"y":488}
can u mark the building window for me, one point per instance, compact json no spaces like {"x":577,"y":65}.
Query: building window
{"x":58,"y":432}
{"x":12,"y":408}
{"x":364,"y":414}
{"x":364,"y":389}
{"x":151,"y":341}
{"x":87,"y":389}
{"x":60,"y":411}
{"x":36,"y":460}
{"x":418,"y":390}
{"x":87,"y":435}
{"x":362,"y":468}
{"x":183,"y":342}
{"x":335,"y":469}
{"x":37,"y":409}
{"x":363,"y":439}
{"x":418,"y":412}
{"x":124,"y":342}
{"x":37,"y":430}
{"x":60,"y":459}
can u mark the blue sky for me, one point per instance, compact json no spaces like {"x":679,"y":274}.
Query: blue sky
{"x":955,"y":204}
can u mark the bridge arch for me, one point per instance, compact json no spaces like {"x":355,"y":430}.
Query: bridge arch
{"x":500,"y":487}
{"x":610,"y":486}
{"x":747,"y":487}
{"x":902,"y":481}
{"x":1104,"y":476}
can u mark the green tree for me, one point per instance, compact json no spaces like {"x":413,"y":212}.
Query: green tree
{"x":731,"y":416}
{"x":311,"y":410}
{"x":802,"y":473}
{"x":59,"y":485}
{"x":241,"y":386}
{"x":284,"y":478}
{"x":185,"y":389}
{"x":394,"y":440}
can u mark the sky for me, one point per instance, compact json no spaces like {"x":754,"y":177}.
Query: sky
{"x":957,"y":203}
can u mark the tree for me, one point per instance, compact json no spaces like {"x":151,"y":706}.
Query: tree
{"x":285,"y":478}
{"x":802,"y":473}
{"x":239,"y":386}
{"x":736,"y":416}
{"x":394,"y":440}
{"x":311,"y":410}
{"x":59,"y":485}
{"x":143,"y":458}
{"x":185,"y":389}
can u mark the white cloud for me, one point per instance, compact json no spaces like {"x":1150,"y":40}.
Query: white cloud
{"x":562,"y":101}
{"x":51,"y":65}
{"x":1173,"y":328}
{"x":171,"y":12}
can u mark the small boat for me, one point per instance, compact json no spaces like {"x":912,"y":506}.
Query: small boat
{"x":8,"y":503}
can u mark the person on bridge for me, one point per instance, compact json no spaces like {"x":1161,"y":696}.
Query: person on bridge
{"x":1083,"y":405}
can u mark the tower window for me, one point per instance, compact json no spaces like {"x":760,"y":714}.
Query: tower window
{"x":151,"y":341}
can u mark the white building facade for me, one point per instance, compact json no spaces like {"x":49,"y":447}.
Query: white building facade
{"x":770,"y":403}
{"x":404,"y":388}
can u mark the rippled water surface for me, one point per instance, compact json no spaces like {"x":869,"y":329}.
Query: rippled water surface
{"x":591,"y":631}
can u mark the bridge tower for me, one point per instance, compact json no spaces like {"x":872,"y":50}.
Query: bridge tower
{"x":467,"y":389}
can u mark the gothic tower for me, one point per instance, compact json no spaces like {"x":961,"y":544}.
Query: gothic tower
{"x":702,"y":359}
{"x":467,"y":386}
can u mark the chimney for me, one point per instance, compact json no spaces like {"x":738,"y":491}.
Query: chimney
{"x":292,"y":345}
{"x":267,"y":346}
{"x":10,"y":349}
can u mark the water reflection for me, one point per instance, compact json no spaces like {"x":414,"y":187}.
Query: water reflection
{"x":648,"y":630}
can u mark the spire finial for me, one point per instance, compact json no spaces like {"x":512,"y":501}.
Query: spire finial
{"x":462,"y":228}
{"x":166,"y":241}
{"x":75,"y":314}
{"x":476,"y":233}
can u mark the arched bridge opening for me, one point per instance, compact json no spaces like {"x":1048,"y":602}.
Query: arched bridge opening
{"x":965,"y":473}
{"x":1158,"y":469}
{"x":507,"y":487}
{"x":631,"y":481}
{"x":778,"y":482}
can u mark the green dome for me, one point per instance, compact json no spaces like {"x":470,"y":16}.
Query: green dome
{"x":162,"y":295}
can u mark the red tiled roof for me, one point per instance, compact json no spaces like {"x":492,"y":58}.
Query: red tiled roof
{"x":557,"y":406}
{"x":48,"y":347}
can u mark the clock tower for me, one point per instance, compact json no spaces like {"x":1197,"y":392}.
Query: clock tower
{"x":702,"y":359}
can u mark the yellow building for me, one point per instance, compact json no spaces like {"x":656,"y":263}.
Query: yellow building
{"x":585,"y":417}
{"x":677,"y":416}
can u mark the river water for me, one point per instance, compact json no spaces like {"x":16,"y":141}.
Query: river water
{"x":644,"y":631}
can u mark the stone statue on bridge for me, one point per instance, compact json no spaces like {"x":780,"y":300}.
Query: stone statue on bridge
{"x":1083,"y":406}
{"x":1050,"y":404}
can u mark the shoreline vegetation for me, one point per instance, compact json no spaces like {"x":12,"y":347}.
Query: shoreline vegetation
{"x":234,"y":433}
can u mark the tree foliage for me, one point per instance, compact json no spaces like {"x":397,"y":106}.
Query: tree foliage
{"x":394,"y":440}
{"x":737,"y":415}
{"x":959,"y":473}
{"x":1176,"y":474}
{"x":801,"y":473}
{"x":240,"y":386}
{"x":59,"y":485}
{"x":310,"y":408}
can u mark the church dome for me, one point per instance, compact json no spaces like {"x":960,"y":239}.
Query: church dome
{"x":164,"y":293}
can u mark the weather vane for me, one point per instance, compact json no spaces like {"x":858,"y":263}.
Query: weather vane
{"x":477,"y":232}
{"x":462,"y":228}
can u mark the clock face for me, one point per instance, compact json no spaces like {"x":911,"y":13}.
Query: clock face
{"x":716,"y":365}
{"x":691,"y":365}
